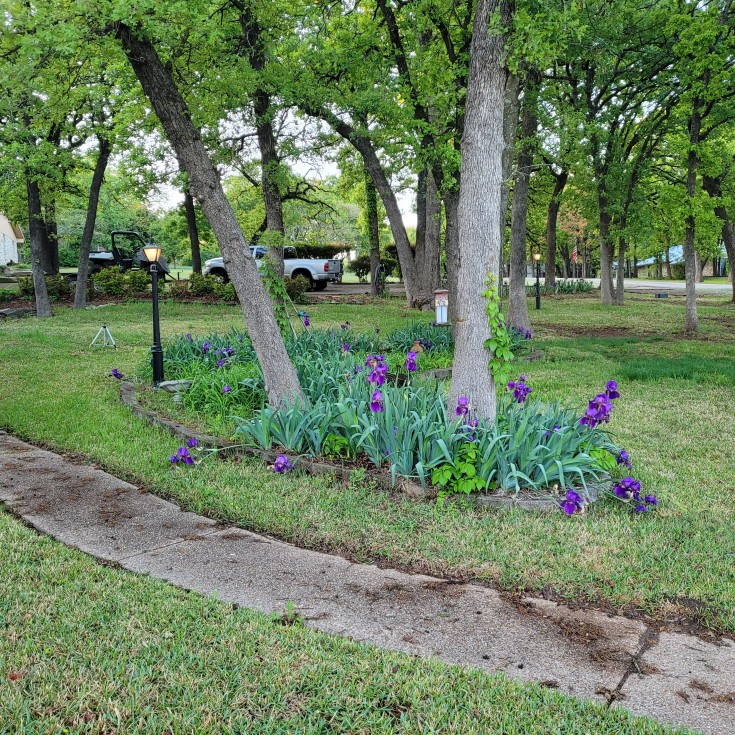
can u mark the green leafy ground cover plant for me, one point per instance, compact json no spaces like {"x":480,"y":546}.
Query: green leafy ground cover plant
{"x":677,"y":566}
{"x":91,"y":649}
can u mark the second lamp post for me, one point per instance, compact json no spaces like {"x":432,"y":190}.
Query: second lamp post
{"x":537,"y":258}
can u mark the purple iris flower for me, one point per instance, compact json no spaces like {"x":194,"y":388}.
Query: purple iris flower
{"x":377,"y":330}
{"x":345,"y":347}
{"x":188,"y":336}
{"x":627,"y":488}
{"x":346,"y":325}
{"x":192,"y":442}
{"x":410,"y":363}
{"x":305,"y":319}
{"x":547,"y":433}
{"x":651,"y":500}
{"x":376,"y":402}
{"x":520,"y":390}
{"x":226,"y":389}
{"x":282,"y":464}
{"x":205,"y":348}
{"x":378,"y":369}
{"x":640,"y":508}
{"x":220,"y":362}
{"x":527,"y":334}
{"x":572,"y":503}
{"x":463,"y":406}
{"x":117,"y":374}
{"x":173,"y":459}
{"x":624,"y":458}
{"x":612,"y":390}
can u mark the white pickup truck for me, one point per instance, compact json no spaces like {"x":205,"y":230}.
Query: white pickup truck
{"x":318,"y":272}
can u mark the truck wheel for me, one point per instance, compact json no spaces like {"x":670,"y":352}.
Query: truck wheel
{"x":220,"y":274}
{"x":319,"y":285}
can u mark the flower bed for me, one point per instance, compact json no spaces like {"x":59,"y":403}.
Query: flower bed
{"x":368,"y":402}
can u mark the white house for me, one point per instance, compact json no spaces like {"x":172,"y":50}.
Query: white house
{"x":10,"y":236}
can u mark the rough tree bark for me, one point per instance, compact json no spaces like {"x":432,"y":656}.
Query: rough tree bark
{"x":552,"y":216}
{"x":713,"y":187}
{"x":371,"y":199}
{"x":479,"y":209}
{"x":35,"y":226}
{"x":428,"y":235}
{"x":511,"y":106}
{"x":105,"y":148}
{"x":452,"y":255}
{"x":517,"y":301}
{"x":281,"y":382}
{"x":691,"y":323}
{"x":699,"y":263}
{"x":193,"y":230}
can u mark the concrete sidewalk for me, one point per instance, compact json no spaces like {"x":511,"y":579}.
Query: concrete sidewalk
{"x":672,"y":677}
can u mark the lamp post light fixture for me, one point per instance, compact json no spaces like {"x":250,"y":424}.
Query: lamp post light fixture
{"x":537,"y":258}
{"x":152,"y":254}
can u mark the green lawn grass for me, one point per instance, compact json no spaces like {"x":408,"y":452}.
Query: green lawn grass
{"x":90,"y":649}
{"x":674,"y":416}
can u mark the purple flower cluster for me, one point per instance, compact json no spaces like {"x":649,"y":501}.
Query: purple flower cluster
{"x":205,"y":348}
{"x":464,"y":410}
{"x":117,"y":374}
{"x":376,"y":402}
{"x":424,"y":343}
{"x":630,"y":489}
{"x":305,"y":319}
{"x":410,"y":363}
{"x":378,"y":369}
{"x":182,"y":455}
{"x":282,"y":464}
{"x":520,"y":390}
{"x":573,"y":503}
{"x":599,"y":408}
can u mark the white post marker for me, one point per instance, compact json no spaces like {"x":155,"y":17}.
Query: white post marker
{"x":441,"y":305}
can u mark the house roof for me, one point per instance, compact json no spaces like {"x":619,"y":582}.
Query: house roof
{"x":18,"y":233}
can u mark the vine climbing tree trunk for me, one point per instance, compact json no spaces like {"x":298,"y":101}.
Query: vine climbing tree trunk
{"x":479,"y":209}
{"x":371,"y":198}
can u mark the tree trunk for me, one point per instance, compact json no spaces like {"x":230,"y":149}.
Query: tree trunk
{"x":451,"y":250}
{"x":699,"y":263}
{"x":191,"y":226}
{"x":606,"y":255}
{"x":429,"y":239}
{"x":552,"y":215}
{"x":517,"y":301}
{"x":371,"y":197}
{"x":695,"y":122}
{"x":80,"y":297}
{"x":620,"y":287}
{"x":669,"y":275}
{"x":281,"y":382}
{"x":48,"y":254}
{"x":713,"y":186}
{"x":511,"y":105}
{"x":51,"y":236}
{"x":35,"y":227}
{"x":480,"y":210}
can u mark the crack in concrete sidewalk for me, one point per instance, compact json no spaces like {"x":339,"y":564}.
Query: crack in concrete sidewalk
{"x":673,"y":677}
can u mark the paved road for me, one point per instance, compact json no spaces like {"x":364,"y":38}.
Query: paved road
{"x":633,"y":285}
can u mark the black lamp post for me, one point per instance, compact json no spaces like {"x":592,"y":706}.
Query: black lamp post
{"x":537,"y":258}
{"x":152,"y":254}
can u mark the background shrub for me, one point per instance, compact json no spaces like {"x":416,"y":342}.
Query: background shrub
{"x":360,"y":266}
{"x":178,"y":290}
{"x":137,"y":283}
{"x":226,"y":292}
{"x":200,"y":285}
{"x":296,"y":289}
{"x":110,"y":281}
{"x":7,"y":295}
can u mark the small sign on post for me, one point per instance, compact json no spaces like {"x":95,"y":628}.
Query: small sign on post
{"x":441,"y":306}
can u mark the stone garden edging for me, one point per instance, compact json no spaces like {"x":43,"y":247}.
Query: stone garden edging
{"x":129,"y":397}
